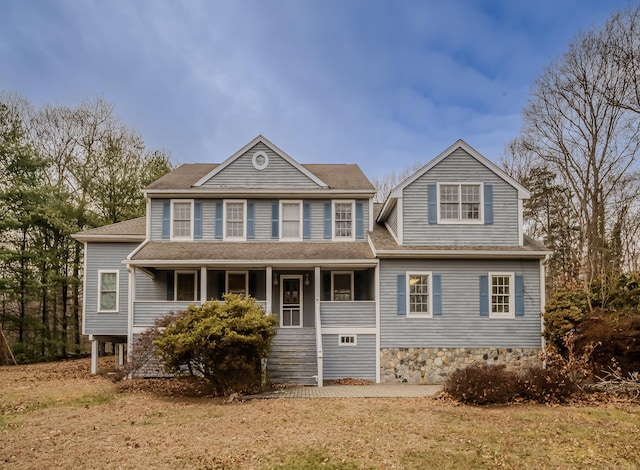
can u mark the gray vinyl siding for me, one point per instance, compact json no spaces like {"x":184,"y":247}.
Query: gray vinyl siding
{"x":460,"y":324}
{"x":348,"y":314}
{"x":392,"y":220}
{"x":106,"y":257}
{"x":262,"y":215}
{"x":145,"y":313}
{"x":460,"y":167}
{"x":349,"y":361}
{"x":278,"y":174}
{"x":151,"y":289}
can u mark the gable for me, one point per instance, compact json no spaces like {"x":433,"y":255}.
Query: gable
{"x":260,"y":164}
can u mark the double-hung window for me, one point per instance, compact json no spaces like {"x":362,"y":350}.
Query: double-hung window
{"x":182,"y":220}
{"x":108,"y":294}
{"x":185,"y":286}
{"x":460,"y":202}
{"x":419,"y":295}
{"x":343,"y":219}
{"x":291,"y":220}
{"x":235,"y":227}
{"x":501,"y":295}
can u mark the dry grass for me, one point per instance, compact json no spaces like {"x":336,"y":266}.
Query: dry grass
{"x":58,"y":416}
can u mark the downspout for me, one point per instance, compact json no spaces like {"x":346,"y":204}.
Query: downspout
{"x":316,"y":278}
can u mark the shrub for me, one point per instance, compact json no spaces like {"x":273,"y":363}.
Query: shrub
{"x":545,"y":385}
{"x":564,"y":311}
{"x":482,"y":384}
{"x":223,"y":342}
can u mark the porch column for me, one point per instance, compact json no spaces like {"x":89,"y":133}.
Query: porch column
{"x":203,"y":284}
{"x":269,"y":288}
{"x":316,"y":279}
{"x":94,"y":355}
{"x":120,"y":355}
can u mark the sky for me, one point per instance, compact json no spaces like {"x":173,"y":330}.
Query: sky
{"x":384,"y":84}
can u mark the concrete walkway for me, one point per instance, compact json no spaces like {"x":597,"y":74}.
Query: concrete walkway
{"x":352,"y":391}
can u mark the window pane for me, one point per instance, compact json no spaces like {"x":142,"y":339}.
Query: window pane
{"x":291,"y":220}
{"x":186,"y":286}
{"x":237,"y":283}
{"x":235,"y":219}
{"x":500,"y":294}
{"x":181,"y":219}
{"x":419,"y":293}
{"x":343,"y":219}
{"x":108,"y":301}
{"x":109,"y":281}
{"x":342,"y":287}
{"x":108,"y":291}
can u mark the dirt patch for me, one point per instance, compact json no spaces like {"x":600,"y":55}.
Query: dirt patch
{"x":57,"y":415}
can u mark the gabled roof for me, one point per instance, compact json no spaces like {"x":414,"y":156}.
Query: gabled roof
{"x":397,"y":191}
{"x":265,"y":141}
{"x":133,"y":230}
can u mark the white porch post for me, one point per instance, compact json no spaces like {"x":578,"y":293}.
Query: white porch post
{"x":94,"y":355}
{"x":316,"y":279}
{"x":203,"y":285}
{"x":269,"y":288}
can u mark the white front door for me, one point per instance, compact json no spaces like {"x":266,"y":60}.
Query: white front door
{"x":290,"y":301}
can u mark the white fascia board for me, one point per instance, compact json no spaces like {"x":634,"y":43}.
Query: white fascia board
{"x":257,"y":192}
{"x":108,"y":238}
{"x":364,"y":263}
{"x":468,"y":254}
{"x":274,"y":148}
{"x":388,"y":206}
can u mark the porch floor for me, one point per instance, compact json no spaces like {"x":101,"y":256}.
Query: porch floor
{"x":352,"y":391}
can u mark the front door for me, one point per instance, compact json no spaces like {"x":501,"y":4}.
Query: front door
{"x":290,"y":301}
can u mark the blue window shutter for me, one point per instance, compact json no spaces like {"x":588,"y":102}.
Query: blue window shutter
{"x":402,"y":294}
{"x":432,"y":195}
{"x":275,"y":220}
{"x":251,"y":221}
{"x":197,"y":219}
{"x":488,"y":204}
{"x":327,"y":220}
{"x":170,"y":285}
{"x":166,"y":220}
{"x":306,"y":221}
{"x":436,"y":290}
{"x":519,"y":295}
{"x":359,"y":221}
{"x":219,"y":210}
{"x":484,"y":295}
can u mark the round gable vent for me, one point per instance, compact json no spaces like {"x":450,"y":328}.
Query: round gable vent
{"x":260,"y":160}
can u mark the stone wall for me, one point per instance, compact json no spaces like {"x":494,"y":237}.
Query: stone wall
{"x":433,"y":365}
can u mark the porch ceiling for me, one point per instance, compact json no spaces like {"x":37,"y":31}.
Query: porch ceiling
{"x":250,"y":251}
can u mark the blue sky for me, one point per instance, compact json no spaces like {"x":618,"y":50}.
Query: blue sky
{"x":384,"y":84}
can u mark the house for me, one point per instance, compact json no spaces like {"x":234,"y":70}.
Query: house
{"x":437,"y":277}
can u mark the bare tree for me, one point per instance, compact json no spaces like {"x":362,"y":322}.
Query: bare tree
{"x":385,"y":184}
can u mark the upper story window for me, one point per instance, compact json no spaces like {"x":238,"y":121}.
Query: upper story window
{"x":419,"y":296}
{"x":460,"y":203}
{"x":234,"y":220}
{"x":291,"y":220}
{"x":182,"y":220}
{"x":501,"y":299}
{"x":343,"y":219}
{"x":108,"y":294}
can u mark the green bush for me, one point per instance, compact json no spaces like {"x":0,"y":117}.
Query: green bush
{"x":565,"y":310}
{"x":482,"y":384}
{"x":223,"y":342}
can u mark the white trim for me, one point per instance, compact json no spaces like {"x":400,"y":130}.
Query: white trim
{"x":410,"y":314}
{"x":377,"y":329}
{"x":108,"y":238}
{"x":520,"y":221}
{"x":325,"y":263}
{"x":259,"y":193}
{"x":397,"y":191}
{"x":300,"y":299}
{"x":371,"y":214}
{"x":543,"y":301}
{"x":391,"y":232}
{"x":456,"y":254}
{"x":244,"y":220}
{"x":347,"y":344}
{"x":400,"y":209}
{"x":512,"y":295}
{"x":350,"y":273}
{"x":275,"y":149}
{"x":131,"y":270}
{"x":300,"y":221}
{"x":254,"y":160}
{"x":203,"y":285}
{"x":171,"y":219}
{"x":333,"y":219}
{"x":318,"y":321}
{"x":268,"y":289}
{"x":195,"y":284}
{"x":117,"y":306}
{"x":246,"y":281}
{"x":460,"y":220}
{"x":354,"y":330}
{"x":84,"y":289}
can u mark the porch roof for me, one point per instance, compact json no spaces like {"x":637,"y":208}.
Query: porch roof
{"x":180,"y":252}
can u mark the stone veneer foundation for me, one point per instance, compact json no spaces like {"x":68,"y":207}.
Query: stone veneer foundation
{"x":433,"y":365}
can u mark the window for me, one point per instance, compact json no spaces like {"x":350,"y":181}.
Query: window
{"x":237,"y":283}
{"x":419,"y":294}
{"x":343,"y":219}
{"x":185,"y":283}
{"x":182,"y":220}
{"x":460,"y":203}
{"x":234,"y":226}
{"x":291,"y":227}
{"x":347,"y":340}
{"x":501,"y":300}
{"x":342,"y":286}
{"x":108,"y":295}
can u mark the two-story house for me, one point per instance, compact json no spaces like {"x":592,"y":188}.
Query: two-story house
{"x":438,"y":276}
